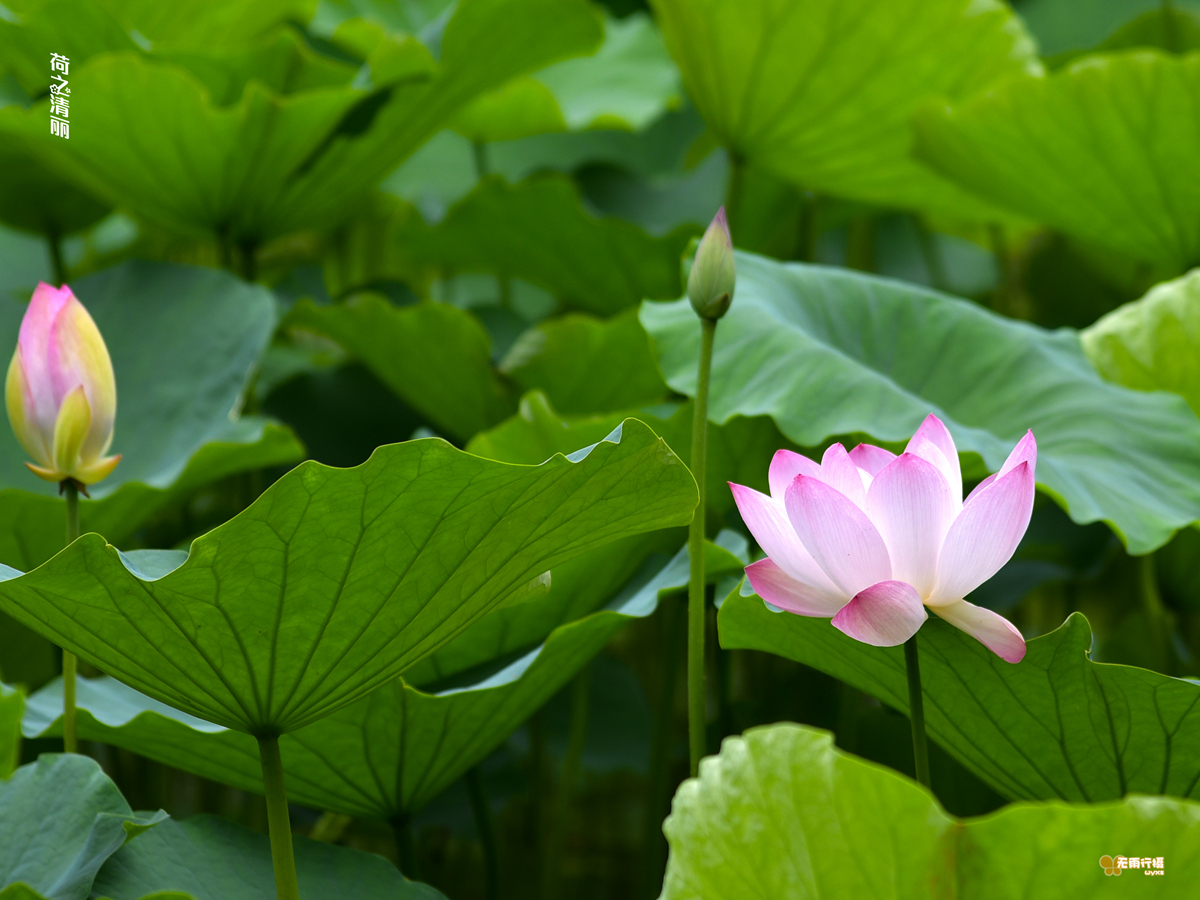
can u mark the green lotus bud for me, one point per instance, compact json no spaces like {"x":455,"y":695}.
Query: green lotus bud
{"x":712,"y":278}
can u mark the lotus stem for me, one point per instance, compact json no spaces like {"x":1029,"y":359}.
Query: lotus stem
{"x":279,"y":823}
{"x":487,"y":832}
{"x":696,"y":698}
{"x":70,"y":665}
{"x":406,"y":846}
{"x":916,"y":711}
{"x":54,"y":241}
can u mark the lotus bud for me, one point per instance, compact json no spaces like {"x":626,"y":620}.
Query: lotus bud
{"x":712,"y":278}
{"x":60,"y":393}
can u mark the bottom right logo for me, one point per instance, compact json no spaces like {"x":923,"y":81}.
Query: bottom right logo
{"x":1114,"y":865}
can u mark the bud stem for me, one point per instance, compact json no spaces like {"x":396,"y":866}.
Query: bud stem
{"x":916,"y":711}
{"x":696,"y":698}
{"x":70,"y":744}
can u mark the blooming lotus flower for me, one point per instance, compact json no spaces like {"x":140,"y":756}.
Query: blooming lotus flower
{"x":61,"y":393}
{"x":871,"y":539}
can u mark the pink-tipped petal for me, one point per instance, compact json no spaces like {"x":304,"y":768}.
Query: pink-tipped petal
{"x":44,"y":391}
{"x":838,"y":535}
{"x":910,"y":504}
{"x":769,"y":524}
{"x":883,"y":615}
{"x":840,"y":473}
{"x":871,"y":459}
{"x":979,"y":487}
{"x":785,"y":466}
{"x":992,"y":630}
{"x":984,"y":536}
{"x":1025,"y":451}
{"x":779,"y":589}
{"x":933,"y":432}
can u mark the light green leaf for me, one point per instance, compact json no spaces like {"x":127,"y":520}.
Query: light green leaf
{"x":536,"y":230}
{"x":201,"y":23}
{"x":781,"y":814}
{"x":184,"y":342}
{"x":587,"y":365}
{"x":626,"y":84}
{"x":208,"y":858}
{"x":358,"y":572}
{"x":12,"y":707}
{"x":1152,"y":344}
{"x":435,"y":356}
{"x":822,"y":92}
{"x":392,"y":752}
{"x":1054,"y":726}
{"x":1100,"y":150}
{"x":34,"y":198}
{"x":830,"y":352}
{"x":61,"y":819}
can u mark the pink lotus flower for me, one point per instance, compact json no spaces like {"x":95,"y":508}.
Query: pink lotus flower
{"x":60,"y":393}
{"x":871,"y":538}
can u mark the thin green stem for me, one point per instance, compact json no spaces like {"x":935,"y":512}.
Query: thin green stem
{"x":406,"y":847}
{"x":479,"y":153}
{"x":279,"y":823}
{"x":735,"y":189}
{"x":482,"y":811}
{"x":70,"y":665}
{"x":916,"y":711}
{"x":552,"y":875}
{"x":696,"y":717}
{"x":330,"y":827}
{"x":1157,"y":617}
{"x":54,"y":240}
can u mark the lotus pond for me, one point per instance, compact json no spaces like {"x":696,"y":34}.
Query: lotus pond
{"x":546,"y":449}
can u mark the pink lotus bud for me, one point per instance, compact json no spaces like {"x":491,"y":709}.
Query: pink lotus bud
{"x":871,"y":539}
{"x":712,"y":278}
{"x":61,"y":393}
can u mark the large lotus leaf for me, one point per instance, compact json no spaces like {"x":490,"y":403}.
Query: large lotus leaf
{"x":827,"y":352}
{"x":202,"y":23}
{"x":209,"y":858}
{"x":358,"y":573}
{"x":736,"y":449}
{"x":783,"y":814}
{"x":627,"y":83}
{"x":587,"y":365}
{"x":393,"y":751}
{"x":1060,"y":26}
{"x":76,"y":29}
{"x":34,"y":198}
{"x":536,"y":230}
{"x":154,"y":141}
{"x":1054,"y":726}
{"x":184,"y":342}
{"x":435,"y":356}
{"x":822,"y":92}
{"x":1152,"y":344}
{"x":61,"y":818}
{"x":1100,"y":149}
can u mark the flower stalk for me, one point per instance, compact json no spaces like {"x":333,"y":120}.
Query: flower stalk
{"x":916,"y":711}
{"x":278,"y":821}
{"x":710,"y":287}
{"x":69,"y":665}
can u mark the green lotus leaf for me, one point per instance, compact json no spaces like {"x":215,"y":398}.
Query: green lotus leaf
{"x":435,"y":356}
{"x":823,"y":92}
{"x":1152,"y":344}
{"x":61,"y":819}
{"x":12,"y":708}
{"x":208,"y":858}
{"x":1054,"y":726}
{"x":154,"y":140}
{"x":536,"y":230}
{"x":34,"y":198}
{"x":1099,"y":150}
{"x":626,"y":84}
{"x":358,"y":572}
{"x":783,"y":814}
{"x":831,"y":352}
{"x":200,"y":23}
{"x":587,"y":365}
{"x":392,"y":752}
